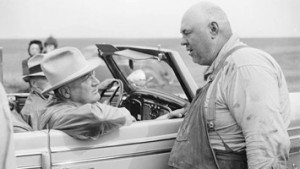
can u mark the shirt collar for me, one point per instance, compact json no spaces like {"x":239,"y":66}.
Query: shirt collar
{"x":38,"y":92}
{"x":232,"y":42}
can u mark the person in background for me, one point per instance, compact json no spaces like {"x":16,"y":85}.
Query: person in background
{"x":36,"y":101}
{"x":35,"y":47}
{"x":239,"y":119}
{"x":7,"y":148}
{"x":50,"y":44}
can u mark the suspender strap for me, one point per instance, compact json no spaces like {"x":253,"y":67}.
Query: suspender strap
{"x":211,"y":111}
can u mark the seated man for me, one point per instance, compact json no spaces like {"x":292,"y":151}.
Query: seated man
{"x":36,"y":101}
{"x":74,"y":108}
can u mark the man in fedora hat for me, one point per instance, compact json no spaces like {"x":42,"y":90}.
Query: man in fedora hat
{"x":36,"y":101}
{"x":75,"y":108}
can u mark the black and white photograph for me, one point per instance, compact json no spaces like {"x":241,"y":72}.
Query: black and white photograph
{"x":149,"y":84}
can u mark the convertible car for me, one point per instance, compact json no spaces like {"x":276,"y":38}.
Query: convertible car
{"x":149,"y":82}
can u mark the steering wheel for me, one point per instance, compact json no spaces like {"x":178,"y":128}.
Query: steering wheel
{"x":117,"y":86}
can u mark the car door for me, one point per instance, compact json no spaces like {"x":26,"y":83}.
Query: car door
{"x":144,"y":144}
{"x":32,"y":150}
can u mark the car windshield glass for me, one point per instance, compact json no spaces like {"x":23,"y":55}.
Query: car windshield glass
{"x":150,"y":74}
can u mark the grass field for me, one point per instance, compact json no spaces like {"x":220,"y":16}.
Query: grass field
{"x":285,"y":50}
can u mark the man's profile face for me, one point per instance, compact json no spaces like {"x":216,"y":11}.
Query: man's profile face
{"x":39,"y":82}
{"x":196,"y":38}
{"x":85,"y":89}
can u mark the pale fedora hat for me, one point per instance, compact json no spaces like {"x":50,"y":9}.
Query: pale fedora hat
{"x":34,"y":67}
{"x":66,"y":64}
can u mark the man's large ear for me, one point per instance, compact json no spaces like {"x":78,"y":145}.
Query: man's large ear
{"x":64,"y":91}
{"x":214,"y":29}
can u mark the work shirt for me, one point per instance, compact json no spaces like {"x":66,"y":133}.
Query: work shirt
{"x":7,"y":148}
{"x":89,"y":121}
{"x":252,"y":106}
{"x":19,"y":125}
{"x":31,"y":111}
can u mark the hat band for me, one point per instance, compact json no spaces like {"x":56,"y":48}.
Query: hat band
{"x":35,"y":69}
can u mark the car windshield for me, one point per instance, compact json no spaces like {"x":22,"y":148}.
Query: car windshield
{"x":150,"y":74}
{"x":141,"y":70}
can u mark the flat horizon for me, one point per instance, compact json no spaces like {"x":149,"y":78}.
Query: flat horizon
{"x":3,"y":39}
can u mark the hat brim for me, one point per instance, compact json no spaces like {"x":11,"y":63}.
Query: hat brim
{"x":92,"y":64}
{"x":26,"y":77}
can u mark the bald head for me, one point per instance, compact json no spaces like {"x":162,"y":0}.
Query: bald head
{"x":205,"y":29}
{"x":203,"y":13}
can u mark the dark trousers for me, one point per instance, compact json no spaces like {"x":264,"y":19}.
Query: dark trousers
{"x":230,"y":160}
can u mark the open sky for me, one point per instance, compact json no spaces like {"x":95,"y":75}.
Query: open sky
{"x":139,"y":18}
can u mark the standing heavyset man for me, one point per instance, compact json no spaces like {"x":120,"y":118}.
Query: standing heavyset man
{"x":239,"y":119}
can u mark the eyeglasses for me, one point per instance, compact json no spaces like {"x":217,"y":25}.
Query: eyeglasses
{"x":89,"y":76}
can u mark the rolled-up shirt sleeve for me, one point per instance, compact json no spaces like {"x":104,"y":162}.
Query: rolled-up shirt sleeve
{"x":253,"y":97}
{"x":89,"y":121}
{"x":104,"y":111}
